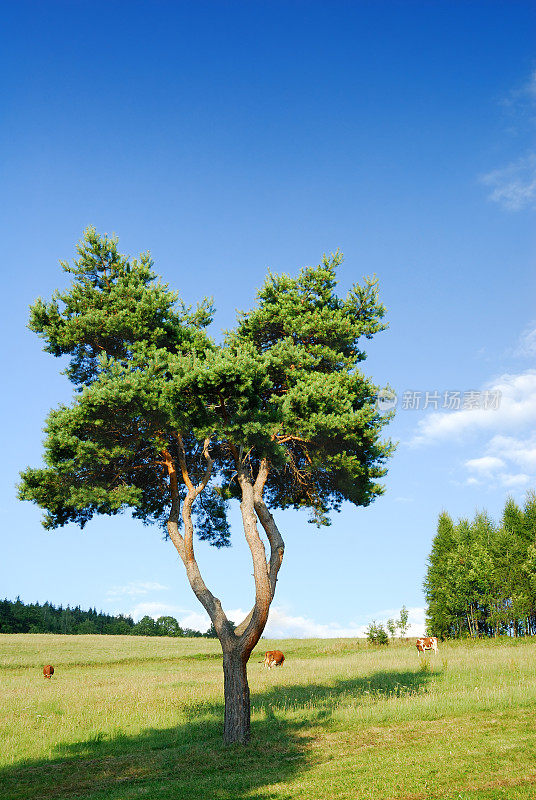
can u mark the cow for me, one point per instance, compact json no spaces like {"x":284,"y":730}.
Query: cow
{"x":48,"y":671}
{"x":427,"y":643}
{"x":273,"y":658}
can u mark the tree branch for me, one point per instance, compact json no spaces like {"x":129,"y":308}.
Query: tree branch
{"x":184,"y":544}
{"x":253,"y":625}
{"x":182,"y":463}
{"x":193,"y":493}
{"x":173,"y":518}
{"x":277,"y":545}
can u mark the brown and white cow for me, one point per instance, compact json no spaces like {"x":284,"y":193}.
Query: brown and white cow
{"x":48,"y":671}
{"x":427,"y":643}
{"x":273,"y":658}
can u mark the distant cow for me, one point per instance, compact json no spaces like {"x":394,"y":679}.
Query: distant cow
{"x":427,"y":643}
{"x":48,"y":671}
{"x":273,"y":658}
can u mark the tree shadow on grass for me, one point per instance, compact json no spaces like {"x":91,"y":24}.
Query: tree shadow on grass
{"x":190,"y":761}
{"x":324,"y":698}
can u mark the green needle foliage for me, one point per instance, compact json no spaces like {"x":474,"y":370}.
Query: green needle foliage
{"x":121,"y":329}
{"x":284,"y":386}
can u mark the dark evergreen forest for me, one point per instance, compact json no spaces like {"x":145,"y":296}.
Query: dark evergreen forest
{"x":19,"y":617}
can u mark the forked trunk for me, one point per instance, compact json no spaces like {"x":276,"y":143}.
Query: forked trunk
{"x":236,"y":726}
{"x":237,"y":643}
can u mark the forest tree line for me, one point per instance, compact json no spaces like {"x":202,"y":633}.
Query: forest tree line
{"x":19,"y":617}
{"x":481,"y":578}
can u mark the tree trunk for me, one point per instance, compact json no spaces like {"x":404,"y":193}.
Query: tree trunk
{"x":237,"y":644}
{"x":469,"y":624}
{"x":236,"y":726}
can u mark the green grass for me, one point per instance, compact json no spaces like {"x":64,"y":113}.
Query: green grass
{"x":131,"y":717}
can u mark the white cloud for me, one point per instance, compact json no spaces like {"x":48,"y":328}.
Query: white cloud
{"x":522,"y":97}
{"x":152,"y":609}
{"x":135,"y":589}
{"x":514,"y":186}
{"x":200,"y":621}
{"x":515,"y":481}
{"x":484,"y":464}
{"x":527,"y":342}
{"x":521,"y":452}
{"x":508,"y":461}
{"x":197,"y":620}
{"x":531,"y":85}
{"x":281,"y":624}
{"x":505,"y":456}
{"x":517,"y":408}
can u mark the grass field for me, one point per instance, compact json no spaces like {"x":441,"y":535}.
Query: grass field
{"x":131,"y":717}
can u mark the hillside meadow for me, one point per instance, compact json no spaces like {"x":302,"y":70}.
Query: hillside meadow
{"x":132,"y":717}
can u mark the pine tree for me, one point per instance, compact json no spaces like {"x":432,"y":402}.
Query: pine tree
{"x":173,"y":426}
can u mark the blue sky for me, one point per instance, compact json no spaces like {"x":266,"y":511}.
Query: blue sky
{"x":228,"y":138}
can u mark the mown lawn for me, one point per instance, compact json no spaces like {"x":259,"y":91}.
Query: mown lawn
{"x":131,"y":717}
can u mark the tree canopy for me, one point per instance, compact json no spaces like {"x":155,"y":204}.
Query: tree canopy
{"x":284,"y":385}
{"x":481,"y":577}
